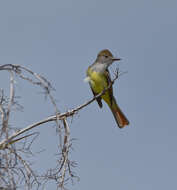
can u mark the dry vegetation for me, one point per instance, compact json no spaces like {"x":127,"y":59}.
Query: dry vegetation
{"x":16,"y":172}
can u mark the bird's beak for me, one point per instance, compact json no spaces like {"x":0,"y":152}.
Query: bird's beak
{"x":116,"y":59}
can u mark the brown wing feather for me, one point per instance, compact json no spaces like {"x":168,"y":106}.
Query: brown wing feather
{"x":110,"y":91}
{"x":97,"y":99}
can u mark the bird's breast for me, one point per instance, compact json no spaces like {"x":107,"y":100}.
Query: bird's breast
{"x":97,"y":81}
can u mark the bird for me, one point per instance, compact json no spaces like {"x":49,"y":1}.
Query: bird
{"x":99,"y":79}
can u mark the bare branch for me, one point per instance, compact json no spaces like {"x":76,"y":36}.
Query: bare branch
{"x":61,"y":116}
{"x":12,"y":156}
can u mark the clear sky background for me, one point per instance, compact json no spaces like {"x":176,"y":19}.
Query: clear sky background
{"x":60,"y":39}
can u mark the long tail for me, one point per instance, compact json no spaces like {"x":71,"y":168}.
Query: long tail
{"x":119,"y":116}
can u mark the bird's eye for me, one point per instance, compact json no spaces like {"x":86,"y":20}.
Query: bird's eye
{"x":106,"y":56}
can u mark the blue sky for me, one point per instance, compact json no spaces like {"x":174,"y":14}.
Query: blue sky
{"x":60,"y":39}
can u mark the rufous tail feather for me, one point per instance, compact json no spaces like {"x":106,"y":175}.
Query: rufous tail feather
{"x":119,"y":116}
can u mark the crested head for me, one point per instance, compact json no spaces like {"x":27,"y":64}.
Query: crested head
{"x":105,"y":53}
{"x":104,"y":60}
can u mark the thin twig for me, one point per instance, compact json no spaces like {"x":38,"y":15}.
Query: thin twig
{"x":63,"y":171}
{"x":55,"y":117}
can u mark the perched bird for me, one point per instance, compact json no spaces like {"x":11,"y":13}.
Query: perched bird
{"x":99,"y":79}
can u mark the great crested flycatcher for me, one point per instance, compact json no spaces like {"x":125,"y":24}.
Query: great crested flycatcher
{"x":99,"y":79}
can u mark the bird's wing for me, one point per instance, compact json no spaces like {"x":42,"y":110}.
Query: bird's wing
{"x":97,"y":99}
{"x":110,"y":90}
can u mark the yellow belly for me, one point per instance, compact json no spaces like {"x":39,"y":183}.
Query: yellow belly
{"x":98,"y":83}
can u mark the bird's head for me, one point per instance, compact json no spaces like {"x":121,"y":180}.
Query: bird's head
{"x":106,"y":57}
